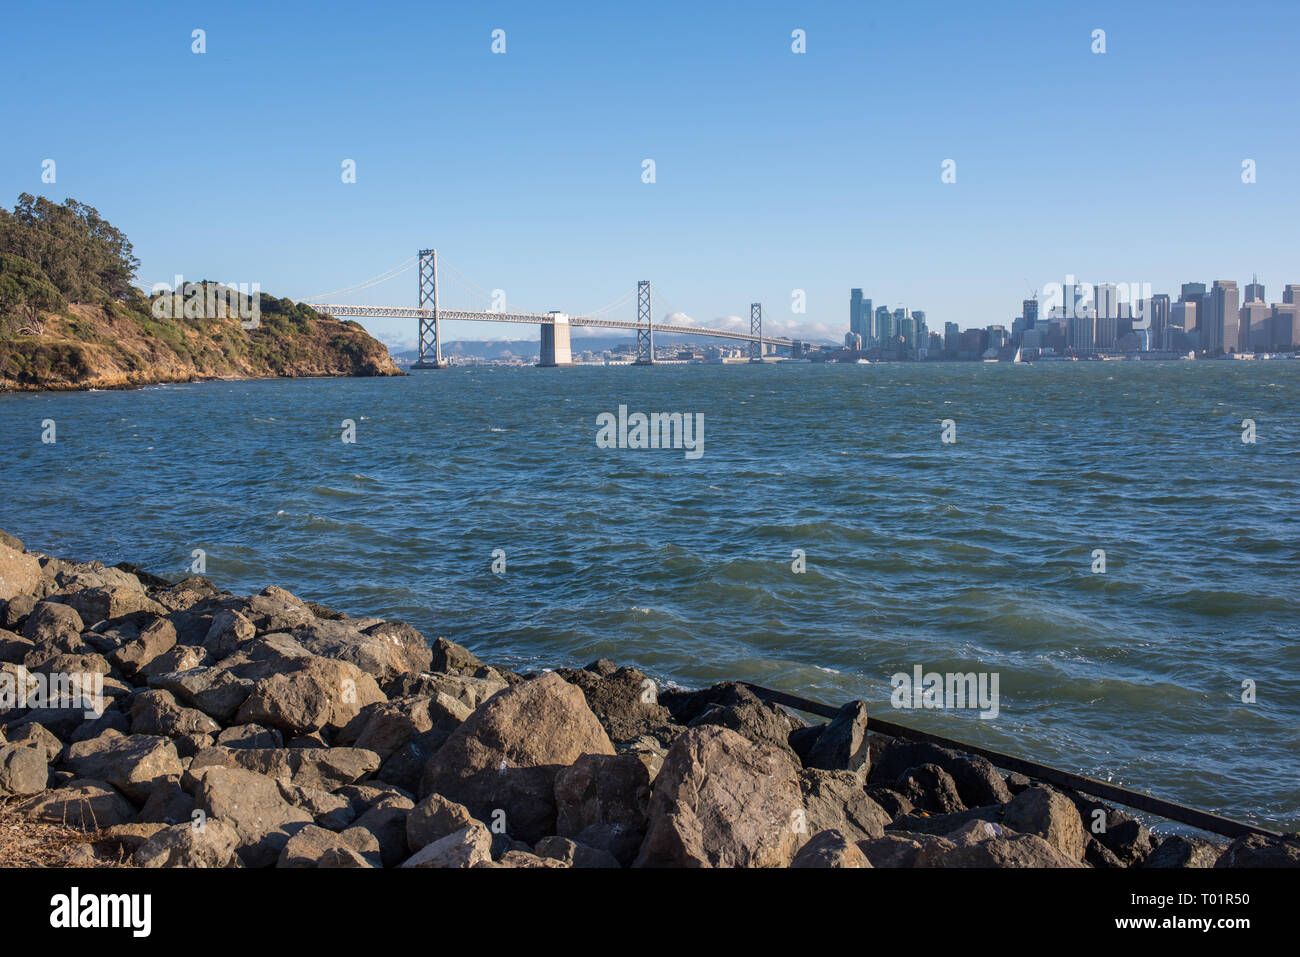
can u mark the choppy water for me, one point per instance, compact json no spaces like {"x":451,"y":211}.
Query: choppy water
{"x":968,"y":557}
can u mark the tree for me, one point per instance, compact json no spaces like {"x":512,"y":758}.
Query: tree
{"x":79,"y":251}
{"x":25,"y":292}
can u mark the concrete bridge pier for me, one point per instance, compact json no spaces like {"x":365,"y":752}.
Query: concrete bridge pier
{"x":556,"y":350}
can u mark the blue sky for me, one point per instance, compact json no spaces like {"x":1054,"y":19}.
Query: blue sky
{"x":775,"y":171}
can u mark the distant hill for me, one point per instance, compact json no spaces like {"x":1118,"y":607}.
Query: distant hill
{"x":70,"y":319}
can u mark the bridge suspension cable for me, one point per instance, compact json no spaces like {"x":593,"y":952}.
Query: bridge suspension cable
{"x":402,"y":267}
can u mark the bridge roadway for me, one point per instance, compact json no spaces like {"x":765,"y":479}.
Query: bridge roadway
{"x":545,"y":319}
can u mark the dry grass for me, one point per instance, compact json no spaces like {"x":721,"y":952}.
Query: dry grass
{"x":27,"y":843}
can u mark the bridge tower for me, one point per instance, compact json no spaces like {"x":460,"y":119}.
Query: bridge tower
{"x":756,"y":329}
{"x":430,"y":328}
{"x":645,"y":329}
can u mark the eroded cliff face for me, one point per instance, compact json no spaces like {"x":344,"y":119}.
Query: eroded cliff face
{"x":116,"y":346}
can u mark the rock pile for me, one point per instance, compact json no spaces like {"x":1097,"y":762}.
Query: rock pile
{"x":260,"y":731}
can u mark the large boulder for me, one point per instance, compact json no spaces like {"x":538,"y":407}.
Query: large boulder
{"x":930,"y":788}
{"x":81,"y":803}
{"x":253,"y":805}
{"x":101,"y":604}
{"x":982,"y":844}
{"x":326,"y":769}
{"x":157,"y":712}
{"x":842,"y":744}
{"x":384,"y":651}
{"x":52,"y":622}
{"x":602,"y":789}
{"x":157,"y":637}
{"x":309,"y":695}
{"x":722,"y":800}
{"x":468,"y":847}
{"x":830,"y":848}
{"x":572,"y":854}
{"x":905,"y":849}
{"x":211,"y":844}
{"x":624,"y":700}
{"x":215,"y":691}
{"x":386,"y":822}
{"x":1256,"y":850}
{"x":433,"y":819}
{"x":23,"y":771}
{"x":19,"y":573}
{"x":131,"y":763}
{"x":734,"y":706}
{"x":1050,"y":815}
{"x":506,"y":756}
{"x":836,"y":800}
{"x":1180,"y":851}
{"x":227,"y":632}
{"x":317,"y":847}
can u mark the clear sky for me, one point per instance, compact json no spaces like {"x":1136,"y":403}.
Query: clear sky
{"x":775,"y":171}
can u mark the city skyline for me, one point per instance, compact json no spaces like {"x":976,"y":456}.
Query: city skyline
{"x":776,"y":171}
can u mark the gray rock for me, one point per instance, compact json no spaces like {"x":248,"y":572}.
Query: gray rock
{"x":19,"y":573}
{"x":507,"y":755}
{"x":251,"y":804}
{"x":1050,"y":815}
{"x":156,"y":638}
{"x":830,"y":848}
{"x":185,"y":845}
{"x":842,"y":746}
{"x":602,"y":789}
{"x":321,"y":848}
{"x":433,"y":819}
{"x":469,"y":846}
{"x":52,"y":621}
{"x":836,"y":800}
{"x":1255,"y":850}
{"x":930,"y":788}
{"x":84,"y":804}
{"x":1179,"y":851}
{"x":157,"y":712}
{"x":724,"y":801}
{"x":23,"y":771}
{"x":131,"y":763}
{"x":574,"y":854}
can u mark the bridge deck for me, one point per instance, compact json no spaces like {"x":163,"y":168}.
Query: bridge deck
{"x":404,"y":312}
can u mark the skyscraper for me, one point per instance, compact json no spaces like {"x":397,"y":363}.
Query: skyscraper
{"x":951,"y":338}
{"x":1182,"y":320}
{"x":1254,"y":291}
{"x":859,"y":315}
{"x":1219,"y":333}
{"x":1106,"y":297}
{"x":1285,"y":324}
{"x":884,"y":325}
{"x":1291,"y":294}
{"x":1029,"y":312}
{"x":1255,"y":326}
{"x":1194,"y":292}
{"x":1157,"y":311}
{"x":1082,"y":332}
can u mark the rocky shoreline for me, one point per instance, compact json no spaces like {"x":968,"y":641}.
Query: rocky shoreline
{"x":177,"y":725}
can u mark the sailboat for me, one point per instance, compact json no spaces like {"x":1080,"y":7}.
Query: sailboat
{"x":1017,"y":358}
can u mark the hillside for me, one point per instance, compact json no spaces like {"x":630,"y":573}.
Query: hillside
{"x":71,"y":319}
{"x":114,"y":345}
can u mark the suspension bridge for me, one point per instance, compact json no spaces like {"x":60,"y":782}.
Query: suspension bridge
{"x":556,"y":349}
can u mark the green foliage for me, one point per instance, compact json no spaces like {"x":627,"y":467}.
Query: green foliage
{"x":25,"y":292}
{"x":82,"y":254}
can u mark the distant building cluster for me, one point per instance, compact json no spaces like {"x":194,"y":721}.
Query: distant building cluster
{"x":1083,"y":320}
{"x":897,"y":334}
